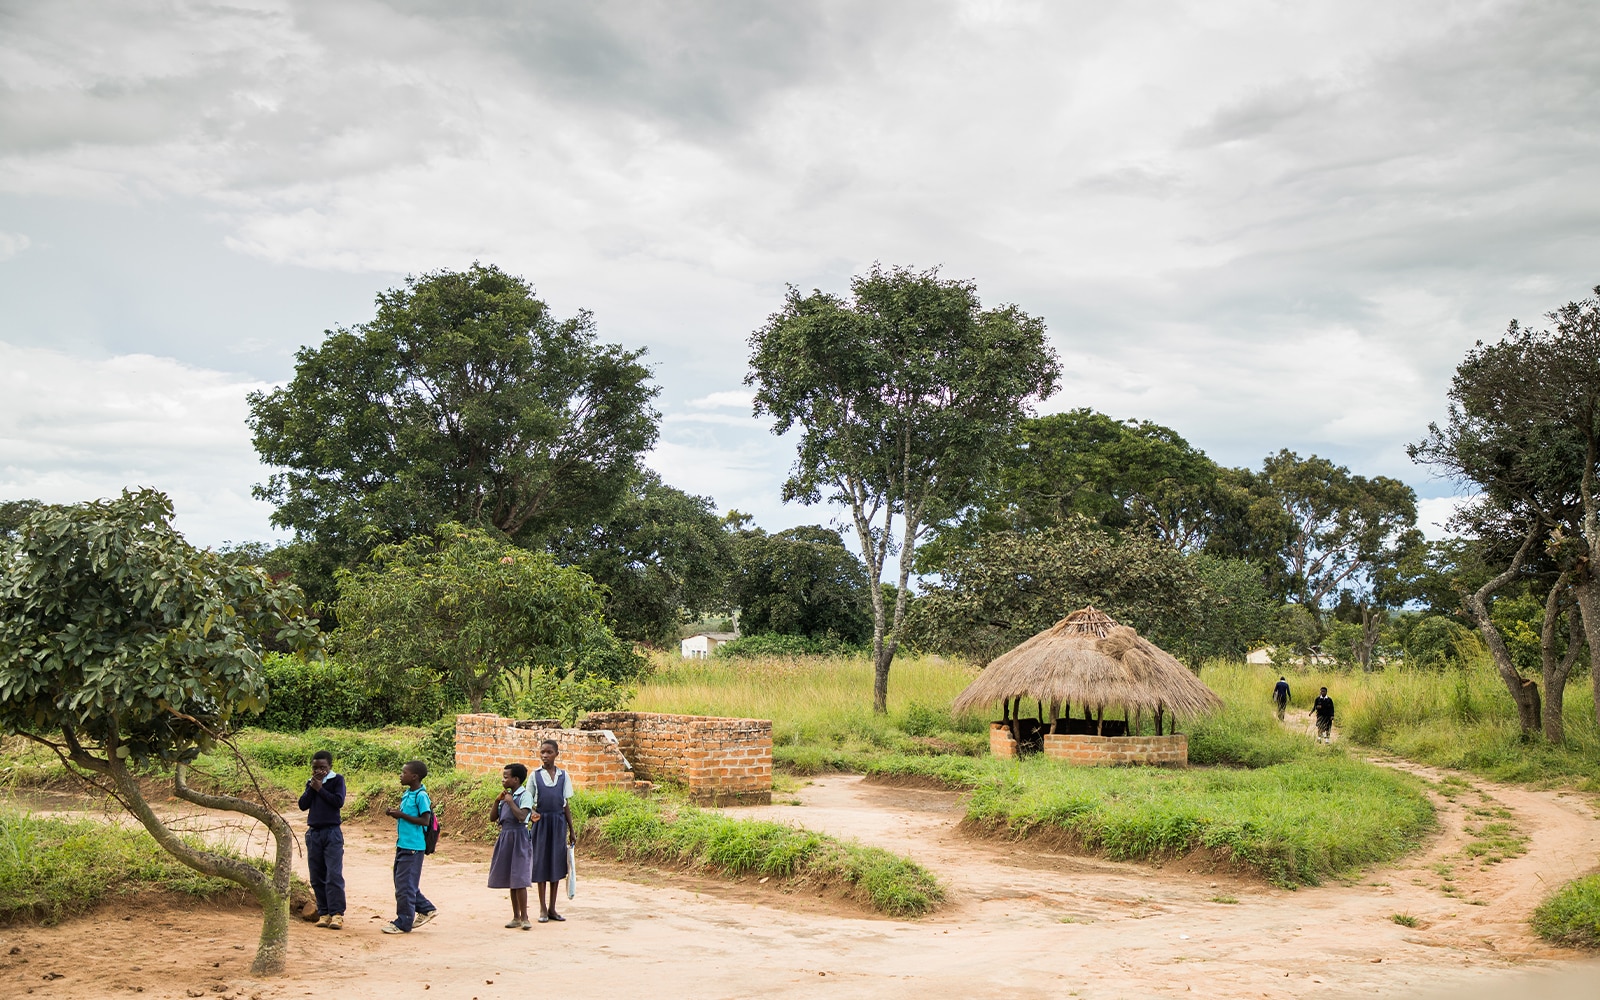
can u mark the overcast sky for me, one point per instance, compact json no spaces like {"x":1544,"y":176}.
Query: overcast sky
{"x":1263,"y":224}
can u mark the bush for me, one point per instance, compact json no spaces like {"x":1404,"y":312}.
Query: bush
{"x":546,"y":695}
{"x":1436,"y":642}
{"x":1571,"y":916}
{"x":331,"y":693}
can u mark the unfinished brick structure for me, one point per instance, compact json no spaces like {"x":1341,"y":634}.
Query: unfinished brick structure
{"x":1172,"y":750}
{"x":716,"y":760}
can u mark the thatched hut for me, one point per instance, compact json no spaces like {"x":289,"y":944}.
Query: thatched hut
{"x":1089,"y":662}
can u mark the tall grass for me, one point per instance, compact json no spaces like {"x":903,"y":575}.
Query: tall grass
{"x":52,"y":868}
{"x":1571,"y":916}
{"x":1459,"y":718}
{"x":821,"y":707}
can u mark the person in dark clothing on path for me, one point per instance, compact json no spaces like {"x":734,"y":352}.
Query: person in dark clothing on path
{"x":324,"y":797}
{"x":1322,"y":708}
{"x":1280,"y":696}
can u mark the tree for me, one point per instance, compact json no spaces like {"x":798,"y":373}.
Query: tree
{"x":125,"y":650}
{"x":1531,"y":461}
{"x":802,"y":581}
{"x":464,"y":399}
{"x":1342,"y":523}
{"x":660,"y":553}
{"x":13,"y":514}
{"x":906,"y":394}
{"x":1012,"y":584}
{"x":1121,"y":474}
{"x":475,"y":610}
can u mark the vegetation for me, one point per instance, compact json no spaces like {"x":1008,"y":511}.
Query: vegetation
{"x":464,"y":399}
{"x":53,"y":868}
{"x":1571,"y":916}
{"x":648,"y":830}
{"x":801,"y":583}
{"x":904,"y":395}
{"x":126,"y":651}
{"x":473,"y":611}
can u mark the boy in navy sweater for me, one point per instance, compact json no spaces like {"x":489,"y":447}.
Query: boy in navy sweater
{"x":324,"y":797}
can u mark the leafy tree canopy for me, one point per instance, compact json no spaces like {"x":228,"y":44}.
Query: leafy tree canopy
{"x":464,"y":399}
{"x":1120,"y":474}
{"x":993,"y":595}
{"x":123,"y":647}
{"x":905,"y":395}
{"x":661,"y":553}
{"x":476,"y":611}
{"x":802,"y":581}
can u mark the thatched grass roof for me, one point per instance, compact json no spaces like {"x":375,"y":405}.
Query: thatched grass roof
{"x":1086,"y":658}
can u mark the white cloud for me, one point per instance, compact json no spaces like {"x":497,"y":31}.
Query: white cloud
{"x":1434,"y":514}
{"x":12,"y":244}
{"x":73,"y":429}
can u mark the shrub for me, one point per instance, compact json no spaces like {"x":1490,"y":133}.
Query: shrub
{"x":1571,"y":916}
{"x":543,"y":694}
{"x":332,"y":693}
{"x":1436,"y":642}
{"x":774,"y":644}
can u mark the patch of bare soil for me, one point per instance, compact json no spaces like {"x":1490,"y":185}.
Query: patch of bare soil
{"x":1021,"y":922}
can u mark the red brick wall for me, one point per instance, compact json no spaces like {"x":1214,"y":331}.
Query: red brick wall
{"x":715,"y":759}
{"x":1000,"y":742}
{"x":486,"y":743}
{"x":1101,"y":750}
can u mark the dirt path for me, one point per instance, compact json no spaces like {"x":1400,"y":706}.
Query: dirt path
{"x":1020,"y":923}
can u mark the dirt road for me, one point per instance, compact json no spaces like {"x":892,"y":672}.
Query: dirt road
{"x":1020,"y":924}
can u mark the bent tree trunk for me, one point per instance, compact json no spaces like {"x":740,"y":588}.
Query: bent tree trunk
{"x":1524,"y":693}
{"x":273,"y":893}
{"x":1557,"y":669}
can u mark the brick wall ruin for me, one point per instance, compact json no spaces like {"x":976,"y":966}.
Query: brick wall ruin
{"x":1099,"y":750}
{"x":715,"y":760}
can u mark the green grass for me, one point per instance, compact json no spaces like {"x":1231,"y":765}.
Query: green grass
{"x":653,"y":830}
{"x":1405,"y":920}
{"x":1460,"y":719}
{"x":53,"y":868}
{"x":1571,"y":916}
{"x":1296,"y":823}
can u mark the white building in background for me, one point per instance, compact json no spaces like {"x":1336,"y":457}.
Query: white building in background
{"x":703,"y":644}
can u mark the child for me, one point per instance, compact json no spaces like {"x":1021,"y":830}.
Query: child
{"x":412,"y":908}
{"x":1322,"y":708}
{"x":552,"y":828}
{"x":511,"y":867}
{"x":324,"y":797}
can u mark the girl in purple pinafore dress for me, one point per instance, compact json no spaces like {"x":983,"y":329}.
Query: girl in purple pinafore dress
{"x":511,"y":866}
{"x":552,"y":828}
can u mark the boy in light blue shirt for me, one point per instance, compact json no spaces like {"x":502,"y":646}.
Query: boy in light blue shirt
{"x":412,"y":819}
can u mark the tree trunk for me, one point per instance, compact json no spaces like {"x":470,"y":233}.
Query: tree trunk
{"x":1556,"y":669}
{"x":273,"y":894}
{"x":1524,"y":693}
{"x":1587,"y":596}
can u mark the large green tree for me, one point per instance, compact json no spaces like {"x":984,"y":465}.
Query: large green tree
{"x":992,"y":595}
{"x":1343,"y":525}
{"x":1523,"y":431}
{"x":128,"y":651}
{"x":476,"y":611}
{"x":801,"y":581}
{"x":660,"y":553}
{"x":905,"y":394}
{"x":1121,"y":474}
{"x":464,"y":399}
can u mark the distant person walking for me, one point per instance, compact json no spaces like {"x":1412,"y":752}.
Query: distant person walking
{"x":412,"y":908}
{"x":1280,"y":696}
{"x":552,"y":828}
{"x":324,"y":798}
{"x":1322,"y":708}
{"x":511,"y":866}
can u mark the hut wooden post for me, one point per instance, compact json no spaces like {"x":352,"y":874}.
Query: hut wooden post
{"x":1100,"y":721}
{"x":1159,"y":707}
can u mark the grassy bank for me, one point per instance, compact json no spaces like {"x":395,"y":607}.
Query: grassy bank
{"x":53,"y":868}
{"x":667,"y":832}
{"x":1320,"y":816}
{"x":1571,"y":917}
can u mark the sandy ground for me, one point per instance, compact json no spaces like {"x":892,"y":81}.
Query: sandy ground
{"x":1021,"y":923}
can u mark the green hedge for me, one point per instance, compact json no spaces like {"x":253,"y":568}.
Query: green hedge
{"x":330,"y":693}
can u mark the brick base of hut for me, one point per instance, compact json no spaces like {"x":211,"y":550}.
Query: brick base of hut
{"x":1171,"y":751}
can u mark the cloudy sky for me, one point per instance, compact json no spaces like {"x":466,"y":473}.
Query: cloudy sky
{"x":1264,"y":224}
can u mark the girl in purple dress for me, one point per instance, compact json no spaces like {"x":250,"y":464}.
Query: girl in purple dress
{"x":511,"y":867}
{"x":552,"y":828}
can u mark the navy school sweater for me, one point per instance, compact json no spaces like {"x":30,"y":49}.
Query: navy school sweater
{"x":324,"y":804}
